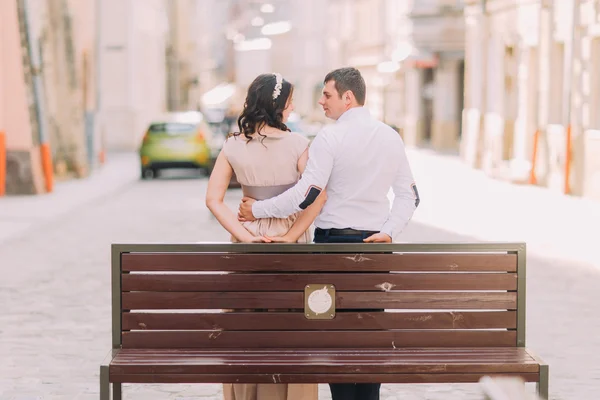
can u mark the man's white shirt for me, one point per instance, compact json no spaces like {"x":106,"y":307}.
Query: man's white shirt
{"x":357,"y":160}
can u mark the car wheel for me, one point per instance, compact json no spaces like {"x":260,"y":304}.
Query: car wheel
{"x":148,"y":173}
{"x":207,"y":170}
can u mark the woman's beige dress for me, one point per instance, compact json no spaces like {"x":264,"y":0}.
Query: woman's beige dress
{"x":266,"y":169}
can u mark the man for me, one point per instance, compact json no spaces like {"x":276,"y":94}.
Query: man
{"x":358,"y":159}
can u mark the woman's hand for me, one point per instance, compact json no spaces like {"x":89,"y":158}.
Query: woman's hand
{"x":256,"y":239}
{"x":279,"y":239}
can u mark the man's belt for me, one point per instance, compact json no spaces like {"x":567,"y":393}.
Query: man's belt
{"x":343,"y":232}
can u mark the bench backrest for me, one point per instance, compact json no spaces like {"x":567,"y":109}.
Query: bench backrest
{"x":436,"y":295}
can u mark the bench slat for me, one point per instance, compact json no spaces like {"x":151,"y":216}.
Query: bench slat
{"x":348,"y":300}
{"x":326,"y":361}
{"x":297,"y":321}
{"x":317,"y":339}
{"x":311,"y":378}
{"x":343,"y":281}
{"x":318,"y":262}
{"x":331,"y":367}
{"x":441,"y":353}
{"x":404,"y":352}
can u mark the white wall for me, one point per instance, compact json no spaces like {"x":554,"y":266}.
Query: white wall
{"x":14,"y":112}
{"x":250,"y":64}
{"x":132,"y":63}
{"x":308,"y":51}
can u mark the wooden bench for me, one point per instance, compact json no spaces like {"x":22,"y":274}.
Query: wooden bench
{"x":454,"y":313}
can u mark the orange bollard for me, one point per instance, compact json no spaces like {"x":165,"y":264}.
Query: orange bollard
{"x":2,"y":163}
{"x":532,"y":177}
{"x":568,"y":162}
{"x":47,"y":167}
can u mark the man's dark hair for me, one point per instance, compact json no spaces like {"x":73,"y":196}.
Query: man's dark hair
{"x":348,"y":79}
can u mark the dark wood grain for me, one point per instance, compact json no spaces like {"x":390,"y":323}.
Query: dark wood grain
{"x":311,"y":378}
{"x":317,"y":339}
{"x":296,"y":282}
{"x":290,"y":321}
{"x":366,"y":361}
{"x":344,"y":300}
{"x":457,"y":318}
{"x":318,"y":262}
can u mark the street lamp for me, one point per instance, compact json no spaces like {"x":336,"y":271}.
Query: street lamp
{"x":267,"y":8}
{"x":402,"y":52}
{"x":276,"y":28}
{"x":388,"y":67}
{"x":254,"y":44}
{"x":257,"y":21}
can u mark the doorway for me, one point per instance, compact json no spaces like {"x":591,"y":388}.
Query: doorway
{"x":461,"y":96}
{"x":427,"y":99}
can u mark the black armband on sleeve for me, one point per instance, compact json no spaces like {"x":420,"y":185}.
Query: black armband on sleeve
{"x":311,"y":196}
{"x":416,"y":193}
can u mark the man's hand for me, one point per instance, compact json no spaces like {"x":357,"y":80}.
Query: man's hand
{"x":245,"y":211}
{"x":378,"y":238}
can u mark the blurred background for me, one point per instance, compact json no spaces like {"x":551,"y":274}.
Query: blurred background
{"x":498,"y":102}
{"x":512,"y":86}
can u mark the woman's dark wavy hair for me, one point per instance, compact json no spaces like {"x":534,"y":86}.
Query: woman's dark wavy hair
{"x":260,"y":108}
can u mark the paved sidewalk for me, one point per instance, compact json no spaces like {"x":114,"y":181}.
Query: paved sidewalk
{"x":18,"y":214}
{"x":473,"y":204}
{"x":459,"y":199}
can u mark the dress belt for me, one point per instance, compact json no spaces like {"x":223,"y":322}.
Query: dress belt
{"x":265,"y":192}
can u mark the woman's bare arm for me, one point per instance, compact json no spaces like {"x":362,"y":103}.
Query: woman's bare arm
{"x":215,"y":193}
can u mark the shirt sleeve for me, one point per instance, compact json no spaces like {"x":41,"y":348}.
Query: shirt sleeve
{"x":314,"y":179}
{"x":406,"y":197}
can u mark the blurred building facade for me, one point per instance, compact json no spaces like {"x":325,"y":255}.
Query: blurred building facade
{"x":23,"y":160}
{"x":514,"y":85}
{"x":434,"y":73}
{"x":132,"y":48}
{"x":284,"y":36}
{"x":361,"y":35}
{"x":214,"y":50}
{"x":533,"y":92}
{"x":183,"y":55}
{"x":308,"y":55}
{"x":47,"y":89}
{"x":80,"y":77}
{"x":411,"y":54}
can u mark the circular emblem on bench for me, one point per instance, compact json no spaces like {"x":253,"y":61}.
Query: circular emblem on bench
{"x":320,"y":301}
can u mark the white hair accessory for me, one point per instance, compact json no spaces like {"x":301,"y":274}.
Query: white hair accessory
{"x":278,"y":85}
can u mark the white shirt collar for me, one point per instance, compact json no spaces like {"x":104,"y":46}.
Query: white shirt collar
{"x":354,"y":112}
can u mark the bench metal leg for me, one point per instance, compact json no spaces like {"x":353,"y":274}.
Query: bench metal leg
{"x":117,"y":391}
{"x":104,"y":383}
{"x":542,"y":386}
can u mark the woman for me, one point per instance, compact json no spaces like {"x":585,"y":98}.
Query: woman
{"x":267,"y":159}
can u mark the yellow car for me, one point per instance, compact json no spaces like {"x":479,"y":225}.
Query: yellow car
{"x":179,"y":140}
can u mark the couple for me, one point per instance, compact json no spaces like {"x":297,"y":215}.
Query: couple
{"x":357,"y":159}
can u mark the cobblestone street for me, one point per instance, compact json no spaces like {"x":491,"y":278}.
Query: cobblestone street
{"x":55,"y":287}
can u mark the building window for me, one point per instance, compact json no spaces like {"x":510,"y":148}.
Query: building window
{"x":595,"y":85}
